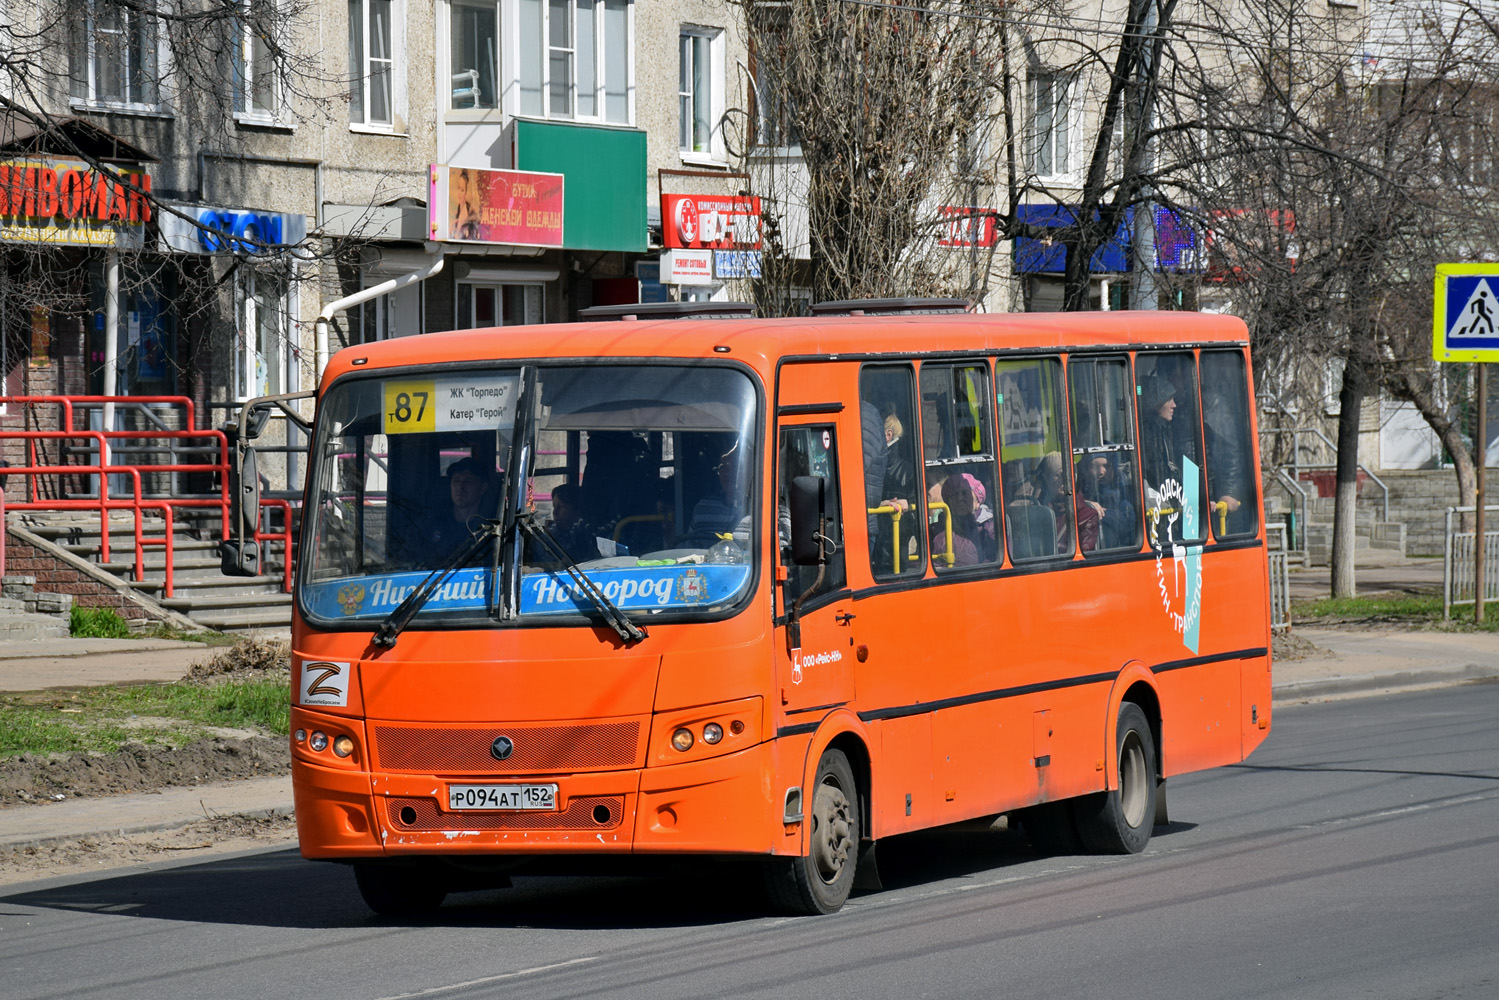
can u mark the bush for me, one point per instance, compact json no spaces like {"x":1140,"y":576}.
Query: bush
{"x":97,"y":623}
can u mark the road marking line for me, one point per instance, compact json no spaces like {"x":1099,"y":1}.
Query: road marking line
{"x":431,"y":990}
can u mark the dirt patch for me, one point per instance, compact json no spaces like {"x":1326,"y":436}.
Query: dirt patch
{"x":207,"y":837}
{"x":248,"y":659}
{"x":140,"y":768}
{"x":1288,"y":646}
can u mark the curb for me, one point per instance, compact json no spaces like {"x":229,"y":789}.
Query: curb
{"x":1400,"y":680}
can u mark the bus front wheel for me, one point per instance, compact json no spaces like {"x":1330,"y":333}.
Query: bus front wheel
{"x":399,"y":890}
{"x":820,"y":881}
{"x":1119,"y":821}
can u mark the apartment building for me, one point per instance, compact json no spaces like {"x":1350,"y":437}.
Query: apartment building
{"x":185,"y":195}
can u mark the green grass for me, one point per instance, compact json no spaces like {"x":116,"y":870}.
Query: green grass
{"x":97,"y":720}
{"x":1419,"y":610}
{"x":207,"y":637}
{"x":97,"y":623}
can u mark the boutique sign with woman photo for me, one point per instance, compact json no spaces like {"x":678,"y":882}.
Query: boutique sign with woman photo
{"x":514,"y":207}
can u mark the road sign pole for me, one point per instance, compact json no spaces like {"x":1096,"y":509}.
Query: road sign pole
{"x":1479,"y":540}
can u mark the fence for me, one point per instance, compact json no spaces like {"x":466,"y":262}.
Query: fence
{"x":105,"y":493}
{"x":1280,"y":577}
{"x":1458,"y":576}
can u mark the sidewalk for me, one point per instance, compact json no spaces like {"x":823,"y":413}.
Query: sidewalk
{"x":1349,"y":661}
{"x":46,"y":663}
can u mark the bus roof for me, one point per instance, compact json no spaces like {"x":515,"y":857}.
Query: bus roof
{"x":761,"y":342}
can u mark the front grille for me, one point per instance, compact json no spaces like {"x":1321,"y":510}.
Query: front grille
{"x":580,"y":814}
{"x":538,"y":749}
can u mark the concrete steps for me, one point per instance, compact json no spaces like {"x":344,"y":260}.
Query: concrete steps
{"x":28,"y":616}
{"x":200,"y":590}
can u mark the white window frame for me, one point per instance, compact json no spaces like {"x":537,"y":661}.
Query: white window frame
{"x":89,"y":77}
{"x":243,"y":82}
{"x":395,"y":69}
{"x":1056,"y":89}
{"x":521,"y":98}
{"x":714,"y":77}
{"x":497,"y":283}
{"x":247,"y":347}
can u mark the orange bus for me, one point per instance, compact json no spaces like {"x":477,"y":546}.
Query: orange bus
{"x":769,"y":589}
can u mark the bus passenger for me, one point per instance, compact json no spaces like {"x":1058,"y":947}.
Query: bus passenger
{"x":1100,"y":488}
{"x":1226,"y":480}
{"x":1157,"y":444}
{"x":1048,"y":487}
{"x":973,"y":537}
{"x":567,"y":527}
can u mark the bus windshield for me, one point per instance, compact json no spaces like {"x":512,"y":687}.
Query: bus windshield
{"x":642,"y":477}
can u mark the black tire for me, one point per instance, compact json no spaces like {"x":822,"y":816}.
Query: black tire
{"x":1119,"y":821}
{"x":820,"y":881}
{"x":399,"y":890}
{"x":1051,"y":829}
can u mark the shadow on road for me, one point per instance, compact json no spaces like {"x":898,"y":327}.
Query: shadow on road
{"x":281,"y":889}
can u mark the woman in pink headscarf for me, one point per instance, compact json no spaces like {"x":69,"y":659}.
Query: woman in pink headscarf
{"x":973,"y":537}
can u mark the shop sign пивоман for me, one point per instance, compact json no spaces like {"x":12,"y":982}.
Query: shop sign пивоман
{"x":46,"y":201}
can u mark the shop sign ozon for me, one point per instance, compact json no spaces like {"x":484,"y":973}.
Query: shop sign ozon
{"x":68,"y":202}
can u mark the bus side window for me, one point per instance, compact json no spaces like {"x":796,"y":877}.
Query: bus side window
{"x":1170,"y":448}
{"x":810,"y":451}
{"x":892,"y":491}
{"x":1232,"y":496}
{"x":1103,"y":454}
{"x":1033,"y":439}
{"x":958,"y":456}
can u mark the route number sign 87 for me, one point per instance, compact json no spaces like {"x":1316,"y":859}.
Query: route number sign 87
{"x":410,"y":407}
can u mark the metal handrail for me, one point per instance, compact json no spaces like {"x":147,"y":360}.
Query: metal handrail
{"x":102,"y":442}
{"x":1302,"y":499}
{"x":1297,"y":467}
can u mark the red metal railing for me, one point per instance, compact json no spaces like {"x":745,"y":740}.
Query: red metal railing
{"x":137,"y":502}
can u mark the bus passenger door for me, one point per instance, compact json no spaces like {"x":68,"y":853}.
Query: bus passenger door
{"x":814,"y":656}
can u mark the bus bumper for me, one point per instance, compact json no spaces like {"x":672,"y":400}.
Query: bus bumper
{"x":723,"y":805}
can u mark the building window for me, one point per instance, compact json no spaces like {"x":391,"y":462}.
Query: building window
{"x":700,"y":91}
{"x":485,"y":304}
{"x":1051,"y":107}
{"x":574,"y":59}
{"x":372,"y":63}
{"x":474,"y":43}
{"x":113,"y":56}
{"x":265,"y":362}
{"x":257,"y":83}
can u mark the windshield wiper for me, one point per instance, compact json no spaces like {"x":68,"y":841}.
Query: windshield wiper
{"x":514,"y":499}
{"x":613,"y":616}
{"x":390,"y":630}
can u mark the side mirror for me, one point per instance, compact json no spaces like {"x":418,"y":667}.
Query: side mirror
{"x":808,"y":502}
{"x":240,"y":554}
{"x":255,"y":421}
{"x":239,"y":558}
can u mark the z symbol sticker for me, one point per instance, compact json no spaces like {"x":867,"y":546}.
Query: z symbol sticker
{"x":324,"y":683}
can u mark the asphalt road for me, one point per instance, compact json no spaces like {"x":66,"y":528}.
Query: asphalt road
{"x":1356,"y":854}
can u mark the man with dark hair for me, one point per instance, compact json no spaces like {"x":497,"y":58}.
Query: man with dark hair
{"x":469,"y":491}
{"x":1157,"y":454}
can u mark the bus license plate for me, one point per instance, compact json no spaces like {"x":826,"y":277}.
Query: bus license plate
{"x":463,"y":798}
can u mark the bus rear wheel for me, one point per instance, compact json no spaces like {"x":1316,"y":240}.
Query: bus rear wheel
{"x":399,"y":890}
{"x":820,"y":881}
{"x":1120,"y":820}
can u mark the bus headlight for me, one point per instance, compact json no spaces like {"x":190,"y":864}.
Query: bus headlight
{"x":712,"y":732}
{"x":318,"y":740}
{"x":343,"y":745}
{"x":682,"y":739}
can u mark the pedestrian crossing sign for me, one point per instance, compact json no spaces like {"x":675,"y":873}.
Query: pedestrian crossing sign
{"x":1465,"y":314}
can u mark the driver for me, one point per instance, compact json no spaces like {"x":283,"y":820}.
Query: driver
{"x":720,"y":512}
{"x":469,"y":491}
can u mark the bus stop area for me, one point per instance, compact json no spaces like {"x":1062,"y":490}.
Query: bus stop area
{"x":1323,"y":662}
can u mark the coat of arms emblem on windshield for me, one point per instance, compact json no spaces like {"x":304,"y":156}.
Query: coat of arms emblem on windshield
{"x":351,"y":598}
